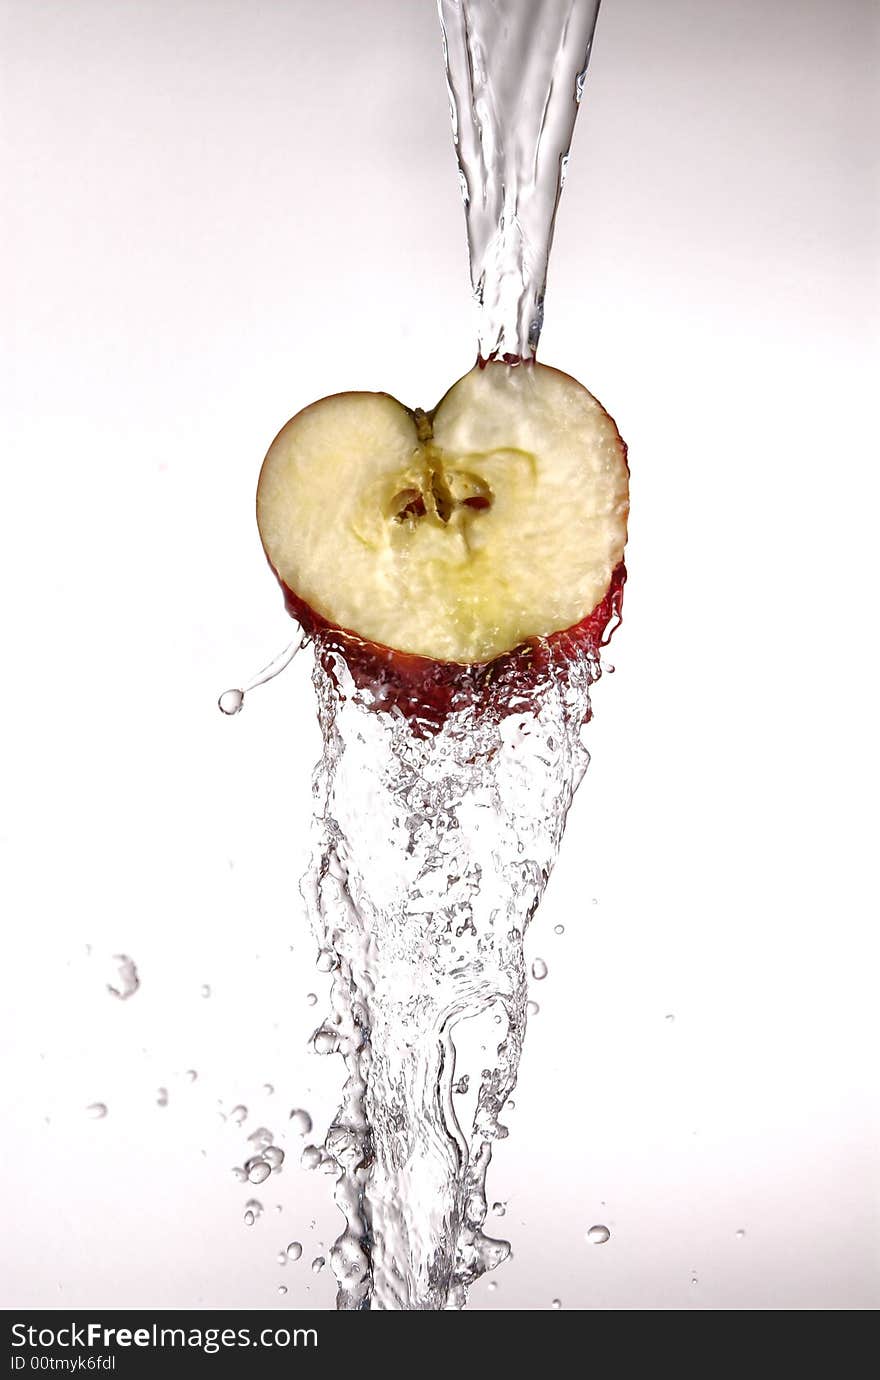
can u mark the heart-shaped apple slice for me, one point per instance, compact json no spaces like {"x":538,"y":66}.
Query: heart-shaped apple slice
{"x":436,"y":541}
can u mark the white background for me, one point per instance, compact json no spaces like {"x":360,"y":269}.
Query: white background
{"x":217,"y":212}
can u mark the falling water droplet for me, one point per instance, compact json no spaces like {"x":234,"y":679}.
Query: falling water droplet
{"x":557,"y":1304}
{"x":694,"y":1279}
{"x":326,"y":961}
{"x":191,"y":1075}
{"x":311,"y":999}
{"x":238,"y":1114}
{"x":294,"y":1250}
{"x":492,"y":1286}
{"x":740,"y":1234}
{"x":258,"y":1170}
{"x":96,"y":1111}
{"x":559,"y":929}
{"x":539,"y":970}
{"x":268,"y":1089}
{"x":670,"y":1017}
{"x":206,"y":991}
{"x":499,"y":1209}
{"x":300,"y":1121}
{"x":594,"y":901}
{"x":310,"y":1157}
{"x":162,"y":1097}
{"x":318,"y":1264}
{"x":240,"y":1174}
{"x":274,"y":1156}
{"x":249,"y":1219}
{"x":261,"y":1137}
{"x":255,"y":1207}
{"x":231,"y":701}
{"x":532,"y":1008}
{"x":323,"y":1041}
{"x":282,"y":1288}
{"x":127,"y":980}
{"x":598,"y":1235}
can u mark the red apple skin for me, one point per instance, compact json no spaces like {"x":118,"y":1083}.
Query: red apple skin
{"x":427,"y":691}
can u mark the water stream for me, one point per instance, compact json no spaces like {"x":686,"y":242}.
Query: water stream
{"x":516,"y":71}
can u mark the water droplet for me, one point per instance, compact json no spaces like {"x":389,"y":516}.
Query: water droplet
{"x":311,"y":1157}
{"x":594,"y":901}
{"x":240,"y":1174}
{"x":557,"y":1304}
{"x":162,"y":1097}
{"x":249,"y":1219}
{"x":231,"y":701}
{"x":318,"y":1264}
{"x":326,"y":961}
{"x":261,"y":1137}
{"x":532,"y":1008}
{"x":294,"y":1250}
{"x":499,"y":1209}
{"x":96,"y":1111}
{"x":206,"y":991}
{"x":191,"y":1075}
{"x":740,"y":1234}
{"x":539,"y":970}
{"x":238,"y":1115}
{"x":274,"y":1156}
{"x":268,"y":1089}
{"x":300,"y":1121}
{"x":258,"y":1170}
{"x":282,"y":1288}
{"x":127,"y":980}
{"x":694,"y":1279}
{"x":463,"y":1083}
{"x":311,"y":999}
{"x":559,"y":929}
{"x":510,"y":1105}
{"x":670,"y":1018}
{"x":254,"y":1206}
{"x":492,"y":1286}
{"x":598,"y":1235}
{"x":324,"y":1040}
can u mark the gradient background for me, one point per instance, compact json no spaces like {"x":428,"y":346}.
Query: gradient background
{"x":218,"y":211}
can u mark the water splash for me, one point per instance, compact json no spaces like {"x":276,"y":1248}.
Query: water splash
{"x":433,"y":852}
{"x":516,"y":75}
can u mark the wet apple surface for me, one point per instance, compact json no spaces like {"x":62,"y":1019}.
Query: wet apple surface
{"x":425,"y":544}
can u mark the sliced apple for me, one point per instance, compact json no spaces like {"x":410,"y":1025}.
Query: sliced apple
{"x":496,"y":521}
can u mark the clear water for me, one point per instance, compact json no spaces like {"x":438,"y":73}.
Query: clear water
{"x":432,"y":853}
{"x":516,"y":72}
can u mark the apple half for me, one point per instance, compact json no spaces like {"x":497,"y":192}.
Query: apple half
{"x":440,"y":549}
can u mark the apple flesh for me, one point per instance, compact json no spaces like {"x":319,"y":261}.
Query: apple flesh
{"x":438,"y":550}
